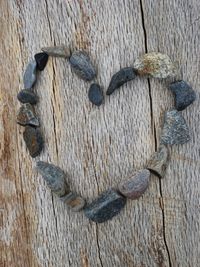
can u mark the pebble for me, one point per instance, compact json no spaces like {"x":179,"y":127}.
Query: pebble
{"x":26,"y":116}
{"x":75,"y":202}
{"x":41,"y":60}
{"x":135,"y":186}
{"x":156,"y":65}
{"x":184,"y":94}
{"x":34,"y":141}
{"x":82,"y":65}
{"x":159,"y":161}
{"x":57,"y":51}
{"x":175,"y":129}
{"x":55,"y":178}
{"x":106,"y":206}
{"x":119,"y":78}
{"x":95,"y":94}
{"x":30,"y":74}
{"x":27,"y":96}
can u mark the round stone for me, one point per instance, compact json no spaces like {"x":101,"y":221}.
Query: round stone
{"x":75,"y":202}
{"x":95,"y":94}
{"x":34,"y":141}
{"x":27,"y":96}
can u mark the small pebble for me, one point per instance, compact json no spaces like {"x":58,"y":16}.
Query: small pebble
{"x":82,"y":65}
{"x":57,"y":51}
{"x":26,"y":116}
{"x":95,"y":94}
{"x":30,"y":75}
{"x":34,"y":141}
{"x":135,"y":186}
{"x":106,"y":206}
{"x":27,"y":96}
{"x":156,"y":65}
{"x":119,"y":78}
{"x":41,"y":60}
{"x":184,"y":94}
{"x":159,"y":161}
{"x":76,"y":203}
{"x":175,"y":129}
{"x":55,"y":178}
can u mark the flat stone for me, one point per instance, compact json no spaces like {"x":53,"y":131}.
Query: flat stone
{"x":82,"y":65}
{"x":135,"y":186}
{"x":95,"y":94}
{"x":175,"y":129}
{"x":41,"y":60}
{"x":57,"y":51}
{"x":105,"y":207}
{"x":159,"y":161}
{"x":26,"y":116}
{"x":54,"y":177}
{"x":119,"y":78}
{"x":34,"y":141}
{"x":30,"y":75}
{"x":156,"y":65}
{"x":184,"y":94}
{"x":27,"y":96}
{"x":75,"y":202}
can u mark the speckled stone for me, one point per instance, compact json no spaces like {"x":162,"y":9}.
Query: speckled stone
{"x":159,"y":161}
{"x":27,"y":96}
{"x":26,"y":116}
{"x":34,"y":141}
{"x":105,"y":207}
{"x":119,"y":78}
{"x":184,"y":94}
{"x":135,"y":186}
{"x":82,"y":65}
{"x":175,"y":129}
{"x":75,"y":202}
{"x":41,"y":60}
{"x":95,"y":94}
{"x":57,"y":51}
{"x":30,"y":75}
{"x":156,"y":65}
{"x":55,"y":178}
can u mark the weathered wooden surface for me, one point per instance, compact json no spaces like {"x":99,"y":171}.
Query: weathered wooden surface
{"x":98,"y":147}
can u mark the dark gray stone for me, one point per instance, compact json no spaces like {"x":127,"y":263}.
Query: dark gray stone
{"x":34,"y":141}
{"x":106,"y":206}
{"x":184,"y":94}
{"x":95,"y":94}
{"x":82,"y":65}
{"x":119,"y":78}
{"x":75,"y":202}
{"x":26,"y":116}
{"x":57,"y":51}
{"x":41,"y":60}
{"x":30,"y":75}
{"x":175,"y":129}
{"x":27,"y":96}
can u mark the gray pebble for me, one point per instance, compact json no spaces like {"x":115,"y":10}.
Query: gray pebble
{"x":75,"y":202}
{"x":30,"y":74}
{"x":27,"y":96}
{"x":26,"y":116}
{"x":57,"y":51}
{"x":34,"y":141}
{"x":95,"y":94}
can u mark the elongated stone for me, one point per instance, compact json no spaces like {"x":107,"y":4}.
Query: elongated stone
{"x":41,"y":60}
{"x":106,"y":206}
{"x":135,"y":186}
{"x":75,"y":202}
{"x":34,"y":141}
{"x":26,"y":116}
{"x":156,"y":65}
{"x":159,"y":161}
{"x":30,"y":75}
{"x":57,"y":51}
{"x":95,"y":94}
{"x":54,"y":177}
{"x":175,"y":129}
{"x":27,"y":96}
{"x":184,"y":94}
{"x":119,"y":78}
{"x":82,"y":65}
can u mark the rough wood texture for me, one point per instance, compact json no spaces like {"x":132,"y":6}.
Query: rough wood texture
{"x":98,"y":147}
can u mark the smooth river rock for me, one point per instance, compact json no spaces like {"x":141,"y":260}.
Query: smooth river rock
{"x":41,"y":60}
{"x":27,"y":96}
{"x":30,"y":74}
{"x":75,"y":202}
{"x":34,"y":140}
{"x":95,"y":94}
{"x":57,"y":51}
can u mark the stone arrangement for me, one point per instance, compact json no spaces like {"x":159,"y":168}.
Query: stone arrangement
{"x":174,"y":130}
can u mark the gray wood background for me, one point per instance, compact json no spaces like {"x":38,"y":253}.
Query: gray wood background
{"x":98,"y":147}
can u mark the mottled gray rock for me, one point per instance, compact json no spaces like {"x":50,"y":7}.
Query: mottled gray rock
{"x":175,"y":129}
{"x":184,"y":94}
{"x":106,"y":206}
{"x":30,"y":74}
{"x":119,"y":78}
{"x":34,"y":141}
{"x":95,"y":94}
{"x":75,"y":202}
{"x":57,"y":51}
{"x":136,"y":185}
{"x":82,"y":65}
{"x":55,"y":178}
{"x":27,"y":96}
{"x":159,"y":161}
{"x":156,"y":65}
{"x":26,"y":116}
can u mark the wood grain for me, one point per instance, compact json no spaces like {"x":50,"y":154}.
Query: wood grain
{"x":98,"y":147}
